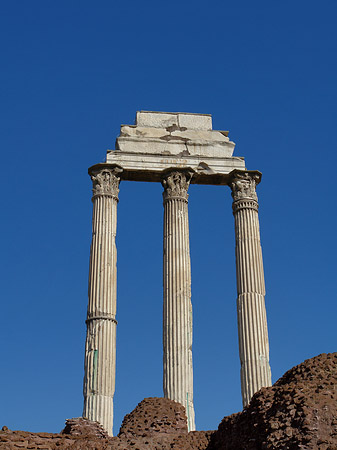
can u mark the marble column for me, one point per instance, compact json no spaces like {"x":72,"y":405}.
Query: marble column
{"x":177,"y":310}
{"x":100,"y":349}
{"x":251,"y":310}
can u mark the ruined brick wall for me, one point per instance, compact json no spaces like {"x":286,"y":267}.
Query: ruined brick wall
{"x":298,"y":412}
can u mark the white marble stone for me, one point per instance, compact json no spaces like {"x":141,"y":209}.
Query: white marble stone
{"x":195,"y":121}
{"x":176,"y":146}
{"x":159,"y":141}
{"x":133,"y":131}
{"x":174,"y":141}
{"x":100,"y":349}
{"x":156,"y":119}
{"x":148,"y":166}
{"x":160,"y":119}
{"x":150,"y":145}
{"x":251,"y":310}
{"x":209,"y":136}
{"x":177,"y":311}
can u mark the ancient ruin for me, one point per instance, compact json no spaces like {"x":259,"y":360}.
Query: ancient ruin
{"x":298,"y":412}
{"x":175,"y":149}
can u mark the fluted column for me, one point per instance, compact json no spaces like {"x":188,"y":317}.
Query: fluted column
{"x":177,"y":310}
{"x":251,"y":310}
{"x":100,"y":349}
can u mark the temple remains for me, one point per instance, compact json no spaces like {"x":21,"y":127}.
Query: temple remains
{"x":175,"y":149}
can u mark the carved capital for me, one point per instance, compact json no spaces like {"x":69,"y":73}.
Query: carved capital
{"x":175,"y":183}
{"x":105,"y":180}
{"x":243,"y":185}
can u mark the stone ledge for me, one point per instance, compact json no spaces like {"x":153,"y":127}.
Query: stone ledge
{"x":149,"y":167}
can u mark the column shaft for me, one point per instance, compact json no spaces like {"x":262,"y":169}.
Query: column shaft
{"x":251,"y":311}
{"x":100,"y":349}
{"x":177,"y":310}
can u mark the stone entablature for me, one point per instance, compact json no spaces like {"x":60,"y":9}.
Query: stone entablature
{"x":159,"y":141}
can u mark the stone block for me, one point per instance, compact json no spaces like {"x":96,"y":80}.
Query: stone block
{"x":207,"y":136}
{"x":193,"y":135}
{"x":143,"y":132}
{"x":164,"y":120}
{"x":156,"y":119}
{"x":216,"y":150}
{"x":152,"y":146}
{"x":195,"y":121}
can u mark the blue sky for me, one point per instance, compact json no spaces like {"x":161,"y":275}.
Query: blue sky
{"x":72,"y":72}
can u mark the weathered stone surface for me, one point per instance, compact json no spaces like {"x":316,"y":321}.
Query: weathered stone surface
{"x":173,"y":140}
{"x":177,"y":309}
{"x":161,"y":140}
{"x":155,"y":424}
{"x":79,"y":426}
{"x":154,"y":417}
{"x":298,"y":412}
{"x":149,"y":167}
{"x":251,"y":310}
{"x":195,"y":121}
{"x":166,"y":119}
{"x":153,"y":140}
{"x":100,"y":348}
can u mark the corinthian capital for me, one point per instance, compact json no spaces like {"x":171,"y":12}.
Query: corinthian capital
{"x":243,"y":184}
{"x":105,"y":180}
{"x":175,"y":183}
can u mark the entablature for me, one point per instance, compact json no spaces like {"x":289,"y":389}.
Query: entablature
{"x":159,"y":141}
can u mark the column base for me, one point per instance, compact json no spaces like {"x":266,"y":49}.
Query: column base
{"x":189,"y":408}
{"x":99,"y":408}
{"x":190,"y":415}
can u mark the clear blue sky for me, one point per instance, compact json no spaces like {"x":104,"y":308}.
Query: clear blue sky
{"x":71,"y":73}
